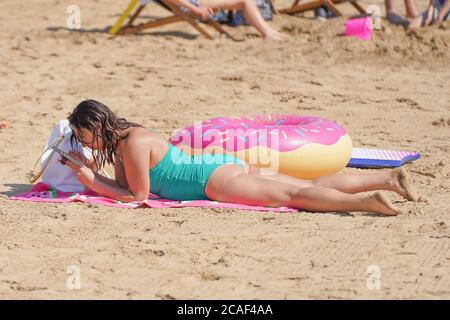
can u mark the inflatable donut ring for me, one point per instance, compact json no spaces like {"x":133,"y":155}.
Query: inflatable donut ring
{"x":301,"y":146}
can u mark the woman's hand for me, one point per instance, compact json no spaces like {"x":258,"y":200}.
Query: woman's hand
{"x":84,"y":174}
{"x":90,"y":163}
{"x":204,"y":12}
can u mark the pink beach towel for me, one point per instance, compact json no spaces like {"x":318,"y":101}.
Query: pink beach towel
{"x":43,"y":193}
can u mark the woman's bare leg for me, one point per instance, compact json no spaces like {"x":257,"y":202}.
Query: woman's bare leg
{"x":230,"y":183}
{"x":251,"y":14}
{"x":411,"y":10}
{"x":392,"y":180}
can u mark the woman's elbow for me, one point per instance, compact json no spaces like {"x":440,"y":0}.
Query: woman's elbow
{"x":133,"y":198}
{"x":140,"y":196}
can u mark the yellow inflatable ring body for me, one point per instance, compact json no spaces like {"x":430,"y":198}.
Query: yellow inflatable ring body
{"x":301,"y":146}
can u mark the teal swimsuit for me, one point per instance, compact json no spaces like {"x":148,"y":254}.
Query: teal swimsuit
{"x":181,"y":177}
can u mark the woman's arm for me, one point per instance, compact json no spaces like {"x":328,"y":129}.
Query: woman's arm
{"x":135,"y":160}
{"x":104,"y":186}
{"x":90,"y":163}
{"x":183,"y":3}
{"x":95,"y":182}
{"x":201,"y":11}
{"x":136,"y":157}
{"x":119,"y":180}
{"x":107,"y":180}
{"x":110,"y":190}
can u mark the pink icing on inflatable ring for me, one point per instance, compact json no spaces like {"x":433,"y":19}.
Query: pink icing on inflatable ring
{"x":301,"y":146}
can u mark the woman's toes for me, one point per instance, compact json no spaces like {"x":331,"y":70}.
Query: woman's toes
{"x":407,"y":187}
{"x":385,"y":206}
{"x":276,"y":36}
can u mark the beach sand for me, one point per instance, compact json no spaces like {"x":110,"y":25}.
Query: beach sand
{"x":391,"y":92}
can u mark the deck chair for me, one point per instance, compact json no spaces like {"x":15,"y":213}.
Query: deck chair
{"x":298,"y":7}
{"x":177,"y":16}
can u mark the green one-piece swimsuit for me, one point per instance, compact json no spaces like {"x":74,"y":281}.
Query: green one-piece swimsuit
{"x":181,"y":177}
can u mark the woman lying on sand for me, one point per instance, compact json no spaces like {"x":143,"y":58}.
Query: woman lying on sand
{"x":205,"y":8}
{"x":144,"y":161}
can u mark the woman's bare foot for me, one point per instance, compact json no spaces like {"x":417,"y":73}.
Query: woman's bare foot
{"x":276,"y":36}
{"x":380,"y":203}
{"x":416,"y":23}
{"x":422,"y":20}
{"x":400,"y":184}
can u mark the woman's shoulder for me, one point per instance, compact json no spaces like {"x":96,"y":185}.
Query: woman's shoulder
{"x":141,"y":136}
{"x":135,"y":135}
{"x":141,"y":140}
{"x":136,"y":131}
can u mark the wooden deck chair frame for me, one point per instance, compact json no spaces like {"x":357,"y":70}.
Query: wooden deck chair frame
{"x":177,"y":16}
{"x":303,"y":6}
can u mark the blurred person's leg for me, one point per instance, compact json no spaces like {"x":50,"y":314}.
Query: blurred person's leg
{"x":392,"y":16}
{"x":411,"y":10}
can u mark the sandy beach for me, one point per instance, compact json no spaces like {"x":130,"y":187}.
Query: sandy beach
{"x":391,"y":92}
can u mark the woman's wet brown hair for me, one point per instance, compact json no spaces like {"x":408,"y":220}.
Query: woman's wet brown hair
{"x":97,"y":118}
